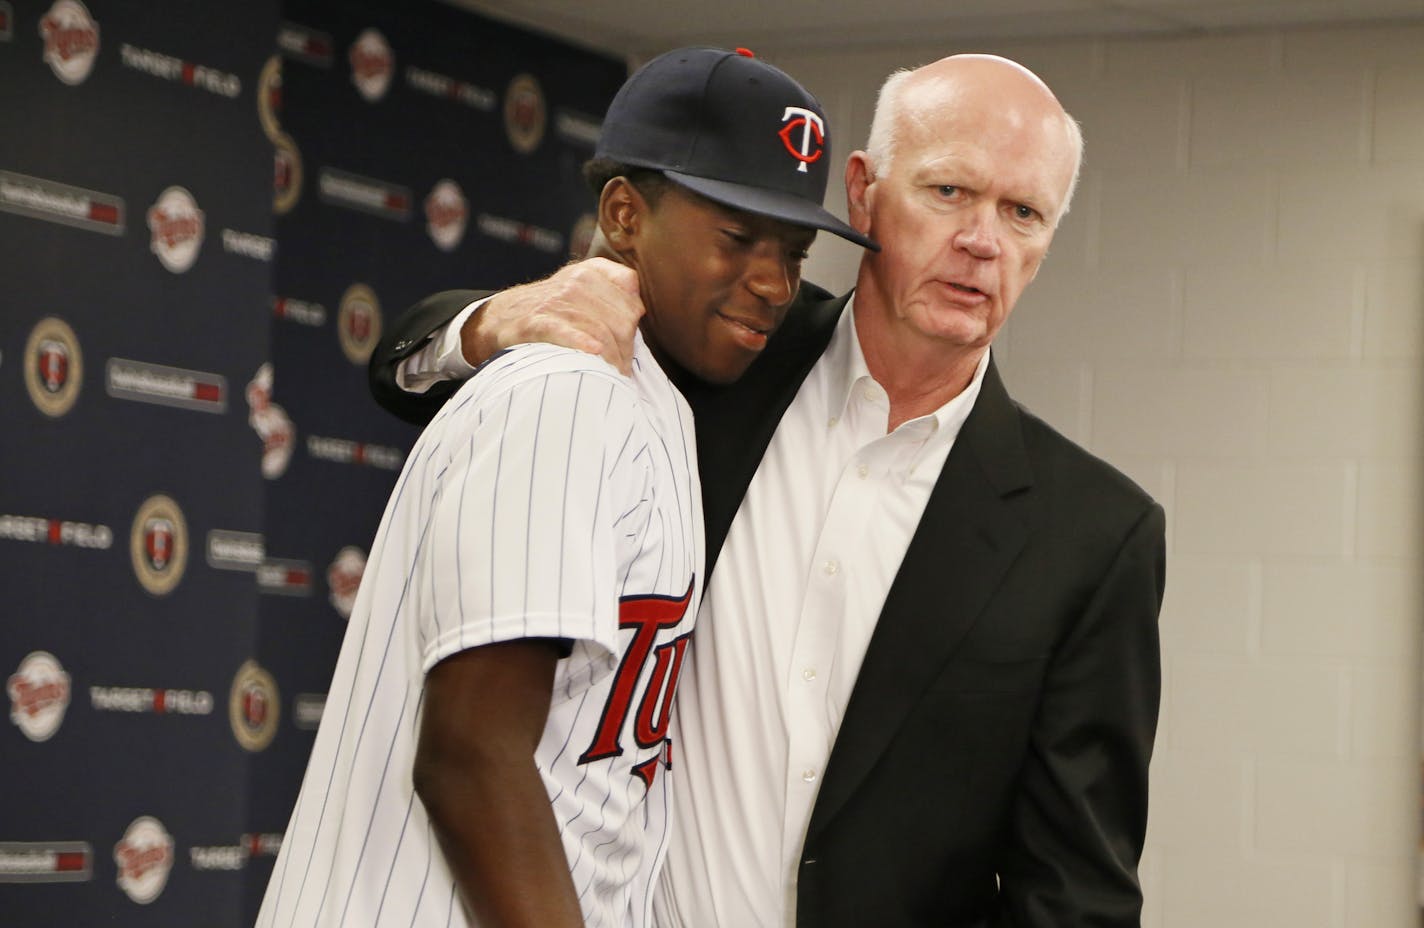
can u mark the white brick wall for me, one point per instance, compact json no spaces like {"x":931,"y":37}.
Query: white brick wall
{"x":1233,"y":314}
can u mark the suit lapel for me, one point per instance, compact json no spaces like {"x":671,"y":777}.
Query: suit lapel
{"x":965,"y":541}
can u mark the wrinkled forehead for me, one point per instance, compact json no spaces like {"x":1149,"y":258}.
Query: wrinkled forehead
{"x":941,"y":123}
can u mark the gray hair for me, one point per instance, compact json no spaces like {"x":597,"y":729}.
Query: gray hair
{"x":885,"y":128}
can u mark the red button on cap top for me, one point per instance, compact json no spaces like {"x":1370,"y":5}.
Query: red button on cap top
{"x":746,"y":53}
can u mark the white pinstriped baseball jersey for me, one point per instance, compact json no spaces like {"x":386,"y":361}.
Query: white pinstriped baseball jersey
{"x":550,"y":498}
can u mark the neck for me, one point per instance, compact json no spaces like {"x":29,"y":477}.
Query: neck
{"x":918,"y":374}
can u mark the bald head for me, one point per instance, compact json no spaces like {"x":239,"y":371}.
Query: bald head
{"x":977,"y":94}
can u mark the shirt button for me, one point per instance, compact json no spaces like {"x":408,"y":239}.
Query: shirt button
{"x":808,"y":775}
{"x":863,"y":470}
{"x":867,"y":392}
{"x":808,"y":674}
{"x":831,"y":568}
{"x":831,"y":422}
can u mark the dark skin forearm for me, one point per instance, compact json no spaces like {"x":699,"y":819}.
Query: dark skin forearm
{"x":485,"y":711}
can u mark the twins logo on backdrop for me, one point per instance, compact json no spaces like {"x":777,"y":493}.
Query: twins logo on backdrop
{"x":176,"y":225}
{"x":525,"y":113}
{"x":253,"y":707}
{"x":286,"y":174}
{"x":446,"y":213}
{"x":372,"y":65}
{"x":71,"y":40}
{"x":272,"y":424}
{"x":158,"y":544}
{"x":343,"y":579}
{"x":144,"y":856}
{"x":286,"y":157}
{"x":54,"y":367}
{"x":358,"y":323}
{"x":39,"y":695}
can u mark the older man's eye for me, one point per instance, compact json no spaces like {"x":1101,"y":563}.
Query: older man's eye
{"x":1025,"y":212}
{"x":947,"y":190}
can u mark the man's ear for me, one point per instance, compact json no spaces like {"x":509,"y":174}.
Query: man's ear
{"x":621,"y":209}
{"x":859,"y":184}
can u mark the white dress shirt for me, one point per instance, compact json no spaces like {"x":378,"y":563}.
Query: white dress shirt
{"x":784,"y":625}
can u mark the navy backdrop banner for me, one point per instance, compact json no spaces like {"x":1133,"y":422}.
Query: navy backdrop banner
{"x":203,"y":233}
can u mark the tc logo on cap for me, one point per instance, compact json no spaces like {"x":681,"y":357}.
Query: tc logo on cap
{"x":813,"y":128}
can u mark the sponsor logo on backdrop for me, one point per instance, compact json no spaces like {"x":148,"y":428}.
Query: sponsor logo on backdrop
{"x":358,"y":323}
{"x":56,"y":532}
{"x":272,"y":424}
{"x":446,"y":212}
{"x":46,"y":862}
{"x":158,"y":544}
{"x":581,"y":236}
{"x":305,"y":44}
{"x":372,"y":64}
{"x":520,"y":233}
{"x":262,"y":844}
{"x":71,"y":40}
{"x":286,"y":174}
{"x":54,"y":366}
{"x":284,"y":577}
{"x":217,"y":857}
{"x":269,"y":97}
{"x":179,"y":71}
{"x":176,"y":225}
{"x":302,"y":312}
{"x":448,"y":88}
{"x":342,"y":188}
{"x":343,"y":579}
{"x":147,"y":700}
{"x":253,"y":707}
{"x":51,"y":201}
{"x":143,"y":382}
{"x":228,"y":550}
{"x":345,"y":451}
{"x":524,"y":113}
{"x":579,"y":128}
{"x":39,"y":695}
{"x":145,"y":858}
{"x":307,"y":709}
{"x":234,"y":856}
{"x":248,"y":245}
{"x":7,"y":21}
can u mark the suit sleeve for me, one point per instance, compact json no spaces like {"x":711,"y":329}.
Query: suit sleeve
{"x":1080,"y":816}
{"x":407,"y":335}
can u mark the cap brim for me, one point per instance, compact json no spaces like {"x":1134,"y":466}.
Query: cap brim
{"x":771,"y":203}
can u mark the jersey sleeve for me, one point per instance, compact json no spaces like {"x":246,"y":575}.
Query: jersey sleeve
{"x":520,"y":539}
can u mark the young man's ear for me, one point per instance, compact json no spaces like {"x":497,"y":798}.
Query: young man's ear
{"x":620,"y":214}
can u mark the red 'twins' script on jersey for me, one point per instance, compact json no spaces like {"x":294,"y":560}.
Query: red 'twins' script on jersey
{"x":646,"y":616}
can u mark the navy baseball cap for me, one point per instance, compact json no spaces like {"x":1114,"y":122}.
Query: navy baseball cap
{"x":732,"y":128}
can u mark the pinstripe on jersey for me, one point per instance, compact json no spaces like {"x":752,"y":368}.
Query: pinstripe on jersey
{"x":550,"y":498}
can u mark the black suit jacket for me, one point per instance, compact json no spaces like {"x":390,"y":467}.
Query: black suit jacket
{"x":991,"y":766}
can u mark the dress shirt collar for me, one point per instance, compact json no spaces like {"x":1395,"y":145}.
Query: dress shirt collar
{"x":846,"y":371}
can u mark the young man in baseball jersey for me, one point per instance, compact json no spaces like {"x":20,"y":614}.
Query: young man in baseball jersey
{"x":494,"y":745}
